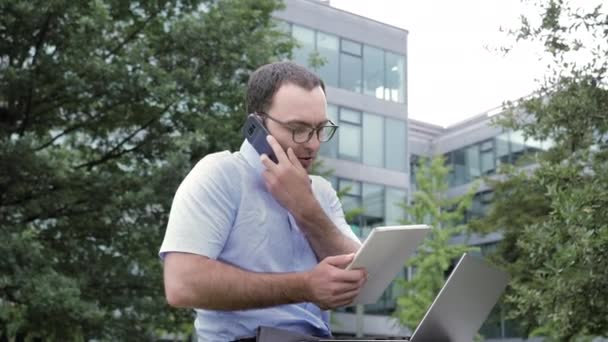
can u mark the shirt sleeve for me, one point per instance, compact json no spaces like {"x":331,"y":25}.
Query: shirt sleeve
{"x":334,"y":209}
{"x":203,"y":209}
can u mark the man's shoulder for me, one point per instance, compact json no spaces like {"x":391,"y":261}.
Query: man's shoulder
{"x":223,"y":161}
{"x":219,"y":157}
{"x":220,"y":167}
{"x":321,"y":184}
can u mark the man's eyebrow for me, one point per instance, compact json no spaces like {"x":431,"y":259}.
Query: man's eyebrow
{"x":300,"y":122}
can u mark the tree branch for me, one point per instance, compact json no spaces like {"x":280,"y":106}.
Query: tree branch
{"x":113,"y":152}
{"x":30,"y":96}
{"x":61,"y":211}
{"x":109,"y":156}
{"x":131,"y":36}
{"x":31,"y":196}
{"x":53,"y":139}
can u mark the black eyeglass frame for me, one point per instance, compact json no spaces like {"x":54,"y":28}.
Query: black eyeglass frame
{"x":335,"y":127}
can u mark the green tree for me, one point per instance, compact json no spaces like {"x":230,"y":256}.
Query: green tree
{"x":445,"y":215}
{"x":517,"y":201}
{"x":555,"y":219}
{"x":105,"y":105}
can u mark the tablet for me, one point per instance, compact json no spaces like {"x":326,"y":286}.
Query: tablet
{"x":383,"y":255}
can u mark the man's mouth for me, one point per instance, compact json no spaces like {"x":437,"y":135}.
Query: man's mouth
{"x":305,"y":161}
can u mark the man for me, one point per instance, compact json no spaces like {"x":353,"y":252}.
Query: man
{"x":251,"y":242}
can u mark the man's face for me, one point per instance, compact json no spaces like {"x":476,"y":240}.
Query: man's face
{"x":297,"y":106}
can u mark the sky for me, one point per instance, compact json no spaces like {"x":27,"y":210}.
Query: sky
{"x":455,"y":68}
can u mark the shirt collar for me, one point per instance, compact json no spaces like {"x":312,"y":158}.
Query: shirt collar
{"x":252,"y":157}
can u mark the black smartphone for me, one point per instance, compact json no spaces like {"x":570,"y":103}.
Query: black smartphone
{"x":256,"y":133}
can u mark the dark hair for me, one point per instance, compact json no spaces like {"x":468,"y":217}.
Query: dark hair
{"x":267,"y":79}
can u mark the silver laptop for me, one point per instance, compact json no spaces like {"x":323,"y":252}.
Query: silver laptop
{"x":462,"y":305}
{"x":464,"y":302}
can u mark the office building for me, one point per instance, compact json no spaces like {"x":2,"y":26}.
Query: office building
{"x":364,"y":71}
{"x":372,"y":156}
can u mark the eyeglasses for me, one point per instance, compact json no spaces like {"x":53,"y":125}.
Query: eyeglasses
{"x":302,"y":133}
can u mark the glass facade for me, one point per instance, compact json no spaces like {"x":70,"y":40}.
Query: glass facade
{"x":373,"y":72}
{"x":351,"y":198}
{"x":379,"y":141}
{"x":328,"y":46}
{"x":370,"y":139}
{"x":393,"y":213}
{"x":306,"y":40}
{"x":373,"y":204}
{"x":367,"y":138}
{"x":380,"y":205}
{"x":480,"y":205}
{"x":351,"y":65}
{"x":414,"y":160}
{"x":395,"y":78}
{"x":330,"y":148}
{"x":483,"y":158}
{"x":349,"y":135}
{"x":480,"y":159}
{"x":373,"y":131}
{"x":395,"y":142}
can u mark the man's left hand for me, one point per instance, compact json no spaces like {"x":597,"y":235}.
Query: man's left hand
{"x":287,"y":180}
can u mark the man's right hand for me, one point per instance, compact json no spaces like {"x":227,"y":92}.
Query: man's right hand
{"x":331,"y":286}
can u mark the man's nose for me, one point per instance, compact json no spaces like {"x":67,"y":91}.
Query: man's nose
{"x":314,"y":143}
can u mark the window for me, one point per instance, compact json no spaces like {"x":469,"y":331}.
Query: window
{"x":283,"y":26}
{"x":395,"y":78}
{"x":349,"y":135}
{"x":395,"y":142}
{"x":350,"y":115}
{"x":306,"y":39}
{"x":449,"y":162}
{"x":393,"y":212}
{"x":534,"y":145}
{"x":459,"y":166}
{"x":328,"y":48}
{"x":351,"y":47}
{"x":373,"y":204}
{"x":414,"y":160}
{"x":330,"y":148}
{"x":351,"y":66}
{"x":532,"y":148}
{"x":502,"y":148}
{"x":373,"y":71}
{"x":473,"y":165}
{"x":487,"y":157}
{"x":373,"y":140}
{"x":480,"y":205}
{"x":518,"y":146}
{"x":380,"y":204}
{"x":352,"y":197}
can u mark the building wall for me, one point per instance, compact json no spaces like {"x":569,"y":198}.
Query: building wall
{"x":345,"y":24}
{"x":366,"y":84}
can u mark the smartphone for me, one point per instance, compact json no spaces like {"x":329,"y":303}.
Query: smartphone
{"x":256,"y":133}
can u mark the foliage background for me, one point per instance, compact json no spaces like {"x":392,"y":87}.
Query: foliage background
{"x":104,"y":107}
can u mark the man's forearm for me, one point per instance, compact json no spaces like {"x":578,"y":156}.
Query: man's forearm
{"x":323,"y":235}
{"x":198,"y":282}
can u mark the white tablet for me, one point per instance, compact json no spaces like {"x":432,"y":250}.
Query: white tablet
{"x":383,"y":255}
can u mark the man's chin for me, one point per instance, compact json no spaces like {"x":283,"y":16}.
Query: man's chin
{"x":307,"y":163}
